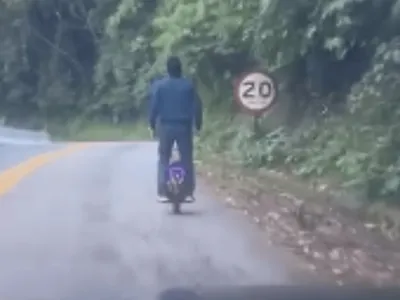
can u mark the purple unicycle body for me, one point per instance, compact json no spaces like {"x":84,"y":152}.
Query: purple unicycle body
{"x":175,"y":184}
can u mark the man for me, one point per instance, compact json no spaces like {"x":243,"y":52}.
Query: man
{"x":176,"y":105}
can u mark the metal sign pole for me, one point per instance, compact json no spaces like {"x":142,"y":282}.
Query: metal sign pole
{"x":256,"y":127}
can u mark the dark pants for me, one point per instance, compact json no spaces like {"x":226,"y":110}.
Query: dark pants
{"x":183,"y":136}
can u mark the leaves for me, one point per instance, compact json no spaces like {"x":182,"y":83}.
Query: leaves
{"x":95,"y":59}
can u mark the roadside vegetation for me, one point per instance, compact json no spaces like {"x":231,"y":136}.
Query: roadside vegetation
{"x":81,"y":69}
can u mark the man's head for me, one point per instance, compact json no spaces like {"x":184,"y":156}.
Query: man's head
{"x":174,"y":67}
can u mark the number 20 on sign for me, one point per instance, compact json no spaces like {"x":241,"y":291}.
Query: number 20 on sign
{"x":255,"y":92}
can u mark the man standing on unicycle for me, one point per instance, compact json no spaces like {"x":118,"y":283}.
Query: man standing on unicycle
{"x":177,"y":107}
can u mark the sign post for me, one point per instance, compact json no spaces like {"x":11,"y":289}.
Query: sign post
{"x":255,"y":92}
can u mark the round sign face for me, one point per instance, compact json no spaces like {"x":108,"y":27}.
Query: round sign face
{"x":255,"y":92}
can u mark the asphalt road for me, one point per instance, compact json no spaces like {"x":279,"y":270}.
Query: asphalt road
{"x":11,"y":155}
{"x":86,"y":225}
{"x":14,"y":136}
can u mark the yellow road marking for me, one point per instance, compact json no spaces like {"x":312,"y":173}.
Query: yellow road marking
{"x":11,"y":177}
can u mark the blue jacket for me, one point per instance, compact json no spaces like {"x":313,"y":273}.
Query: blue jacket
{"x":175,"y":100}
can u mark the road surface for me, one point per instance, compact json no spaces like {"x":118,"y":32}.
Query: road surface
{"x":84,"y":223}
{"x":14,"y":136}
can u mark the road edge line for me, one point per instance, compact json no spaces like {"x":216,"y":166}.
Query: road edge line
{"x":11,"y":177}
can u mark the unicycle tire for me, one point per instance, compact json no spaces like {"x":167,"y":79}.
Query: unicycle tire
{"x":176,"y":206}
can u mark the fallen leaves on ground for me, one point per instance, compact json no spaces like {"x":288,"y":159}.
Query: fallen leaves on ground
{"x":345,"y":249}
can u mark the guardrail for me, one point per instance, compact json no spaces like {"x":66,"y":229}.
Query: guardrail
{"x":9,"y":135}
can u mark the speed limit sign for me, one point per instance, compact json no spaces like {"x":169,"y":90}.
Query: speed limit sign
{"x":255,"y":92}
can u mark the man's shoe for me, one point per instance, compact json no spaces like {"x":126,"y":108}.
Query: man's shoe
{"x":190,"y":199}
{"x":162,"y":199}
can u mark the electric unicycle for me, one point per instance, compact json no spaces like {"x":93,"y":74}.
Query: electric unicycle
{"x":175,"y":182}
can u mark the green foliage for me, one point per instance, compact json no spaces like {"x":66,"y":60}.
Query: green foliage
{"x":336,"y":62}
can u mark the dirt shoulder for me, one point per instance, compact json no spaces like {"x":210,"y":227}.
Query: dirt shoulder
{"x":331,"y":240}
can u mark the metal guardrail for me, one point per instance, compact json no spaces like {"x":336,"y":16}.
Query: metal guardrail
{"x":14,"y":136}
